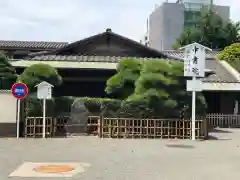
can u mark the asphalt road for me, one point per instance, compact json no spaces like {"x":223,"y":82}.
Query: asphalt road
{"x":131,"y":159}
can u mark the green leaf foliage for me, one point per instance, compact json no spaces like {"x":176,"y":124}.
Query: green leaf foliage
{"x":210,"y":31}
{"x":63,"y":105}
{"x":121,"y":85}
{"x":34,"y":106}
{"x":231,"y":54}
{"x":158,"y":91}
{"x":38,"y":73}
{"x":135,"y":109}
{"x":154,"y":86}
{"x":8,"y":73}
{"x":59,"y":106}
{"x":92,"y":104}
{"x":101,"y":106}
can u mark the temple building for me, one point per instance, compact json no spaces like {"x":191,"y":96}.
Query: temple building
{"x":85,"y":66}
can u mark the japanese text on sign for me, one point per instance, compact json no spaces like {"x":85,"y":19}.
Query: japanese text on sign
{"x":194,"y":61}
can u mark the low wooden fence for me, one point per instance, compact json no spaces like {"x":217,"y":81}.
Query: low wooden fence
{"x":133,"y":128}
{"x":151,"y":128}
{"x":120,"y":127}
{"x":55,"y":127}
{"x":223,"y":120}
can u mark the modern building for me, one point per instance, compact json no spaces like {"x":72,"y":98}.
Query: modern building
{"x":145,"y":39}
{"x":167,"y":21}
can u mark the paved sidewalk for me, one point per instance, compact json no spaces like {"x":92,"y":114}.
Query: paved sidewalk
{"x":131,"y":159}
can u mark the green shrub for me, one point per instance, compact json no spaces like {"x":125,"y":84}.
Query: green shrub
{"x":63,"y":105}
{"x":135,"y":109}
{"x":100,"y":106}
{"x":153,"y":88}
{"x":8,"y":73}
{"x":34,"y":107}
{"x":37,"y":73}
{"x":121,"y":85}
{"x":231,"y":54}
{"x":93,"y":105}
{"x":110,"y":107}
{"x":54,"y":107}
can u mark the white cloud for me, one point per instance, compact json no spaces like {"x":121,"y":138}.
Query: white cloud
{"x":70,"y":20}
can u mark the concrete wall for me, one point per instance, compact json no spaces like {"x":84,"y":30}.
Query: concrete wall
{"x":173,"y":23}
{"x":156,"y":28}
{"x":165,"y":26}
{"x":8,"y":114}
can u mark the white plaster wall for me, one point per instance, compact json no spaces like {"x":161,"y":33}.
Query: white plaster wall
{"x":8,"y":107}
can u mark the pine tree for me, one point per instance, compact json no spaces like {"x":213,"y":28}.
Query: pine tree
{"x":8,"y":73}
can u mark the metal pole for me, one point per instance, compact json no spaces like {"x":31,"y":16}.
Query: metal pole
{"x":44,"y":118}
{"x":18,"y":117}
{"x":193,"y":111}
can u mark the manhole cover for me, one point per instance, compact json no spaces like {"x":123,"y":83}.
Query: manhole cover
{"x":53,"y":169}
{"x":180,"y":146}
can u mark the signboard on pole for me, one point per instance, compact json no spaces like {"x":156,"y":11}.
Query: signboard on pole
{"x":194,"y":66}
{"x":44,"y":92}
{"x":194,"y":60}
{"x":196,"y":85}
{"x":19,"y":91}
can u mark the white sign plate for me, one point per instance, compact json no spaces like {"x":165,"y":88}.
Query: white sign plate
{"x":44,"y":93}
{"x":194,"y":85}
{"x":194,"y":61}
{"x":44,"y":90}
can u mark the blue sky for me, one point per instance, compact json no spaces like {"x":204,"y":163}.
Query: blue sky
{"x":71,"y":20}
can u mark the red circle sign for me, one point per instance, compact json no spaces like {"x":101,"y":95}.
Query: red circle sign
{"x":19,"y":90}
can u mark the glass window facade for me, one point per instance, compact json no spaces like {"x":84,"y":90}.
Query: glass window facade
{"x":205,"y":2}
{"x":193,"y":6}
{"x":192,"y":15}
{"x":193,"y":11}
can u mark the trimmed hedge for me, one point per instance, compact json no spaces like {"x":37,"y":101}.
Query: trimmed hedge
{"x":95,"y":107}
{"x":110,"y":107}
{"x":101,"y":106}
{"x":56,"y":106}
{"x":63,"y":105}
{"x":34,"y":107}
{"x":135,"y":109}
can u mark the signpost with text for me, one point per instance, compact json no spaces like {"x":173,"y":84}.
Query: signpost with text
{"x":44,"y":92}
{"x":194,"y":66}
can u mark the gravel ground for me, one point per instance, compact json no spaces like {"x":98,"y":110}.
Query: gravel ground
{"x":131,"y":159}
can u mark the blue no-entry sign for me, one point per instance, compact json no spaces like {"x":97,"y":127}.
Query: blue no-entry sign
{"x":19,"y":90}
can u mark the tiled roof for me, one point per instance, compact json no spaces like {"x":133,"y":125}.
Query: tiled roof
{"x":32,"y":44}
{"x":110,"y":36}
{"x":180,"y":54}
{"x":106,"y":59}
{"x":221,"y":73}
